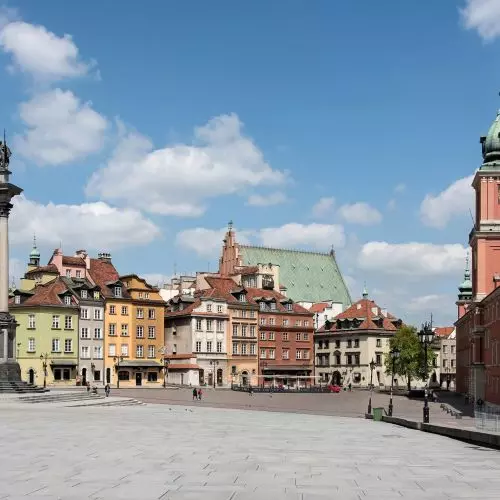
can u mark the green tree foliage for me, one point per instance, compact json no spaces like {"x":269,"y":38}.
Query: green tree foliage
{"x":410,"y":363}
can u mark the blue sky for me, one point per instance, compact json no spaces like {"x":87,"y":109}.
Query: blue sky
{"x":142,"y":131}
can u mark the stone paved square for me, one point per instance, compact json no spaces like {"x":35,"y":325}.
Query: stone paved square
{"x":175,"y":452}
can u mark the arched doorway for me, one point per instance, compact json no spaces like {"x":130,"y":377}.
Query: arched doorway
{"x":84,"y":376}
{"x":210,"y":379}
{"x":219,"y":376}
{"x":31,"y":376}
{"x":336,"y":378}
{"x":434,"y":378}
{"x":244,"y":378}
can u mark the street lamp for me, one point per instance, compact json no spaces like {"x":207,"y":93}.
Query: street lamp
{"x":166,"y":363}
{"x":43,"y":359}
{"x":117,"y":360}
{"x":214,"y":363}
{"x":372,"y":367}
{"x":426,"y":336}
{"x":395,"y":355}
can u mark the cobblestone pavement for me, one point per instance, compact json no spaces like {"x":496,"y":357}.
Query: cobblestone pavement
{"x":176,"y":452}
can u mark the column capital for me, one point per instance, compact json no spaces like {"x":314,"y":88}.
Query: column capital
{"x":5,"y":208}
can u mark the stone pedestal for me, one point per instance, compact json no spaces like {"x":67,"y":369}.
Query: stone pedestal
{"x":9,"y":368}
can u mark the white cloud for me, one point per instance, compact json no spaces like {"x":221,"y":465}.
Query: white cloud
{"x":43,"y":54}
{"x":483,"y":16}
{"x":391,"y":204}
{"x":400,"y":188}
{"x":323,"y":207}
{"x":90,"y":225}
{"x":416,"y":260}
{"x":156,"y":279}
{"x":179,"y":179}
{"x":430,"y":303}
{"x":17,"y":268}
{"x":318,"y":236}
{"x":360,"y":213}
{"x":268,"y":200}
{"x":456,"y":199}
{"x":61,"y":128}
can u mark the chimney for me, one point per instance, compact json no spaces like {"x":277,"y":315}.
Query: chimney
{"x":81,"y":253}
{"x":106,"y":257}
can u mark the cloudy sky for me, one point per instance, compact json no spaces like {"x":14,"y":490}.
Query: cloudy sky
{"x":142,"y":131}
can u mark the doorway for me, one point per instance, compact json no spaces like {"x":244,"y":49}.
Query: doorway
{"x":210,"y":379}
{"x":244,"y":379}
{"x":219,"y":376}
{"x":108,"y":375}
{"x":84,"y":376}
{"x":336,"y":378}
{"x":31,"y":375}
{"x":138,"y":378}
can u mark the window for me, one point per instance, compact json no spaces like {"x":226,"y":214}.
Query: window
{"x":112,"y":329}
{"x":285,"y":354}
{"x":209,"y":308}
{"x":123,"y":375}
{"x":68,"y":273}
{"x":57,"y":374}
{"x":151,"y":351}
{"x":349,"y":343}
{"x":305,"y":336}
{"x":151,"y":314}
{"x":252,"y":331}
{"x":96,"y":295}
{"x":452,"y":349}
{"x":124,"y":329}
{"x":112,"y":349}
{"x":97,"y":333}
{"x":235,"y":348}
{"x":289,"y":306}
{"x":124,"y":349}
{"x":356,"y":342}
{"x":209,"y":346}
{"x":31,"y":321}
{"x":97,"y":352}
{"x":220,"y":325}
{"x":243,"y":314}
{"x":84,"y":313}
{"x":262,"y":321}
{"x":337,"y":344}
{"x":272,"y":321}
{"x":84,"y":334}
{"x":198,"y":324}
{"x":298,"y":354}
{"x":219,"y":346}
{"x":252,"y":314}
{"x":306,"y":354}
{"x":151,"y":332}
{"x":17,"y":299}
{"x":141,"y":295}
{"x":83,"y":294}
{"x":210,"y":326}
{"x":285,"y":322}
{"x":97,"y":314}
{"x":198,"y":346}
{"x":298,"y":323}
{"x":78,"y":274}
{"x":152,"y":377}
{"x":285,"y":336}
{"x":112,"y":309}
{"x":356,"y":359}
{"x":262,"y":354}
{"x":140,"y":332}
{"x":262,"y":335}
{"x":273,"y":306}
{"x":445,"y":363}
{"x":242,"y":298}
{"x":445,"y":348}
{"x":243,"y":349}
{"x":219,"y":309}
{"x":337,"y":359}
{"x":306,"y":324}
{"x":378,"y":359}
{"x":174,"y":349}
{"x":235,"y":330}
{"x":97,"y":375}
{"x":124,"y":311}
{"x":453,"y":363}
{"x":139,"y":351}
{"x":349,"y":359}
{"x":253,"y":348}
{"x":146,"y":295}
{"x":31,"y":344}
{"x":271,"y":335}
{"x":118,"y":291}
{"x":68,"y":345}
{"x":262,"y":306}
{"x":379,"y":342}
{"x":55,"y":321}
{"x":271,"y":353}
{"x":140,"y":312}
{"x":298,"y":336}
{"x":244,"y":329}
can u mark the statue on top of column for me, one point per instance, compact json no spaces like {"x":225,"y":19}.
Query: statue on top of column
{"x":5,"y":154}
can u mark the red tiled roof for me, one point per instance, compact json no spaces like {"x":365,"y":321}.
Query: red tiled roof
{"x":246,"y":270}
{"x":443,"y":331}
{"x":46,"y":295}
{"x":318,"y":307}
{"x":73,"y":261}
{"x":102,"y":272}
{"x":51,"y":268}
{"x":362,"y":310}
{"x":183,"y":366}
{"x":186,"y":311}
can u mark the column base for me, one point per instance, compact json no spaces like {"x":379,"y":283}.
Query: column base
{"x":10,"y":371}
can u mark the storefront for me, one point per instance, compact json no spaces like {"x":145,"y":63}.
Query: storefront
{"x":139,"y":373}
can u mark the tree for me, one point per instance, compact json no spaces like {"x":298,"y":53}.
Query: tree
{"x":410,"y":363}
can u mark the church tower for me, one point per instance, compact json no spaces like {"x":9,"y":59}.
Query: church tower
{"x":34,"y":257}
{"x":464,"y":291}
{"x":484,"y":238}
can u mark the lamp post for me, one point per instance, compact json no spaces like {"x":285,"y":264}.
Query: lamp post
{"x":43,"y":359}
{"x":394,"y":355}
{"x":426,"y":336}
{"x":117,"y":360}
{"x":166,"y":363}
{"x":214,"y":363}
{"x":372,"y":367}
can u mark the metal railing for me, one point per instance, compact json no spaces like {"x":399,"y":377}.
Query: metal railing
{"x":487,"y":418}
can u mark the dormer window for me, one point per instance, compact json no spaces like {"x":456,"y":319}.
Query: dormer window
{"x":83,"y":294}
{"x":262,"y":306}
{"x":118,"y":291}
{"x":67,"y":300}
{"x":289,"y":306}
{"x":78,"y":274}
{"x":96,"y":295}
{"x":242,"y":297}
{"x":68,"y":273}
{"x":273,"y":306}
{"x":17,"y":299}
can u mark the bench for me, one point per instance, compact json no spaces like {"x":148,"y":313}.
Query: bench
{"x":453,"y":411}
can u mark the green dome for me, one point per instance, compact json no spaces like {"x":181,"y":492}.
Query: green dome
{"x":491,"y":143}
{"x":35,"y":253}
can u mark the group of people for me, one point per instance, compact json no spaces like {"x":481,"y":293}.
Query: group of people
{"x":107,"y":389}
{"x":197,"y":394}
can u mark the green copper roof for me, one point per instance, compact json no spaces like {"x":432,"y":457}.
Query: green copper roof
{"x":308,"y":276}
{"x":466,"y":287}
{"x":491,"y":143}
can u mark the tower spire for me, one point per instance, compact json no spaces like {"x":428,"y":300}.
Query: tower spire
{"x":365,"y":291}
{"x":230,"y":226}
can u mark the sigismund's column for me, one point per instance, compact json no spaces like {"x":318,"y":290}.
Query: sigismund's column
{"x":9,"y":368}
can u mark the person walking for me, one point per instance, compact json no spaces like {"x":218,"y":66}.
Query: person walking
{"x":107,"y":390}
{"x":195,"y":394}
{"x":199,"y":394}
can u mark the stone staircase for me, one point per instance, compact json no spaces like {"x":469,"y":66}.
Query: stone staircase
{"x":10,"y":387}
{"x":78,"y":399}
